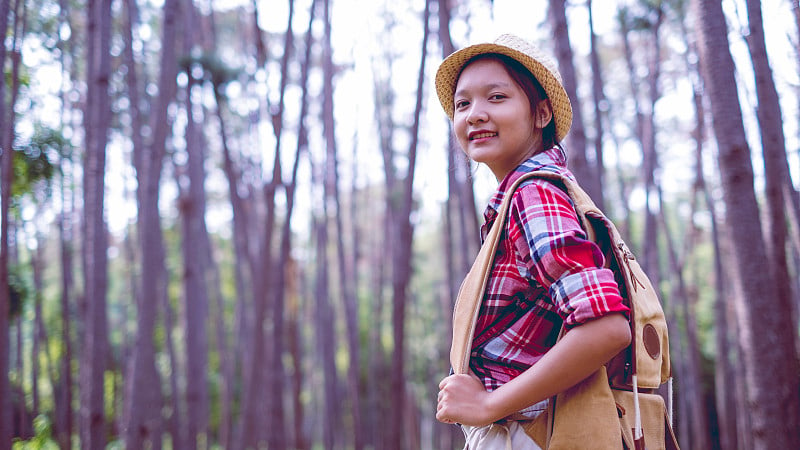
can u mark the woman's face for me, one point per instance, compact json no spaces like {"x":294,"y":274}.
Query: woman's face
{"x":493,"y":121}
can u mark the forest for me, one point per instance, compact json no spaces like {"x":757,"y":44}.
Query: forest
{"x":240,"y":224}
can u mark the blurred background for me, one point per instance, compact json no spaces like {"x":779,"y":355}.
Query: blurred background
{"x":243,"y":224}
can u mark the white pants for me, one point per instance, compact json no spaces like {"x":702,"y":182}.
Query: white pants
{"x":509,"y":436}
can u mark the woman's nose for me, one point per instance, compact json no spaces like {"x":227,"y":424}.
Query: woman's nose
{"x":477,"y":113}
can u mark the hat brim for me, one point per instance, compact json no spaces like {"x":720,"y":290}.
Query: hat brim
{"x":450,"y":69}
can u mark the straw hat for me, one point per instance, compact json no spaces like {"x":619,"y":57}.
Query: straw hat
{"x":540,"y":65}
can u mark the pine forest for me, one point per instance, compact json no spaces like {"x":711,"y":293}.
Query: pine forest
{"x":242,"y":224}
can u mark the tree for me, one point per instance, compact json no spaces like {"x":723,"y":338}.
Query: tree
{"x":96,"y":123}
{"x":6,"y":175}
{"x":577,"y":135}
{"x":773,"y":404}
{"x":143,"y":414}
{"x":779,"y":188}
{"x":600,"y":105}
{"x":196,"y":249}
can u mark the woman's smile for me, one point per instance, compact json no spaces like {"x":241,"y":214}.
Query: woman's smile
{"x":481,"y":135}
{"x":493,"y":120}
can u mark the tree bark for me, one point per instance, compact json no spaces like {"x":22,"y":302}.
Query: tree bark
{"x":196,"y":251}
{"x":265,"y":301}
{"x":96,"y":122}
{"x":6,"y":177}
{"x":229,"y":360}
{"x":724,"y":374}
{"x":64,"y":428}
{"x":773,"y":404}
{"x":779,"y":188}
{"x":346,"y":271}
{"x":599,"y":101}
{"x":577,"y":135}
{"x":691,"y":382}
{"x":143,"y":424}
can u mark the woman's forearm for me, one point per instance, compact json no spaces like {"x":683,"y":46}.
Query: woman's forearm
{"x":578,"y":354}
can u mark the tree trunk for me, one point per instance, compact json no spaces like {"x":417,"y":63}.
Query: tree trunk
{"x":229,"y":359}
{"x":281,"y":284}
{"x":38,"y":331}
{"x":779,"y":189}
{"x":96,"y":122}
{"x":691,"y":383}
{"x":64,"y":420}
{"x":196,"y":260}
{"x":724,"y":374}
{"x":599,"y":101}
{"x":577,"y":135}
{"x":773,"y":404}
{"x":624,"y":21}
{"x":144,"y":418}
{"x":324,"y":322}
{"x":399,"y":208}
{"x":346,"y":271}
{"x":6,"y":176}
{"x":256,"y":372}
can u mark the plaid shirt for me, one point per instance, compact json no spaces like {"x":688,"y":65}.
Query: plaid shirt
{"x":545,"y":273}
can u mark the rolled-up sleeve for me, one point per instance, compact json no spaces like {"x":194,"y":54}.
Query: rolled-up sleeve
{"x":553,"y":250}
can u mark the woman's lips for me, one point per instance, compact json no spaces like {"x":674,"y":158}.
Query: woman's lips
{"x":481,"y":135}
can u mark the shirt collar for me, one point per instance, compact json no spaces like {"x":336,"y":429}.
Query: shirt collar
{"x":552,"y":160}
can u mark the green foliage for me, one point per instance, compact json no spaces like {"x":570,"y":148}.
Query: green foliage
{"x":33,"y":166}
{"x":18,"y":291}
{"x":42,"y":439}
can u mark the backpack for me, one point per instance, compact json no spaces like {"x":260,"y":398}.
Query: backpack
{"x":630,"y":380}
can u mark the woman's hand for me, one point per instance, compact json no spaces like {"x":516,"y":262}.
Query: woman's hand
{"x":464,"y":399}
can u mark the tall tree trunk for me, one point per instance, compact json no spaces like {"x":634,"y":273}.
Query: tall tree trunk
{"x":265,"y":301}
{"x":324,"y":322}
{"x":245,"y":267}
{"x":691,"y":383}
{"x":38,"y":330}
{"x":773,"y":404}
{"x":577,"y":135}
{"x":346,"y":271}
{"x":144,"y":398}
{"x":779,"y":189}
{"x":624,"y":20}
{"x":196,"y":259}
{"x":599,"y":100}
{"x":6,"y":181}
{"x":6,"y":176}
{"x":229,"y":359}
{"x":329,"y":180}
{"x":281,"y":275}
{"x":96,"y":122}
{"x":400,"y":201}
{"x":64,"y":428}
{"x":724,"y":374}
{"x":461,"y":218}
{"x":650,"y":253}
{"x":64,"y":420}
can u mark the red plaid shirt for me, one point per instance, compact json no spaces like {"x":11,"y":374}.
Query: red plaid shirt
{"x":545,"y":273}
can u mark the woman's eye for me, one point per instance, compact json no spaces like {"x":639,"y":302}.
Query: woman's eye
{"x":461,"y":103}
{"x":497,"y":97}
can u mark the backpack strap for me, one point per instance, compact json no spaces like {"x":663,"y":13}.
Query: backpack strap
{"x":470,"y":295}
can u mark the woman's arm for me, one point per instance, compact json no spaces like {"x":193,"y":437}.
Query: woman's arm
{"x":580,"y":352}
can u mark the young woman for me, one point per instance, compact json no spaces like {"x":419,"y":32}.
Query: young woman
{"x":510,"y":111}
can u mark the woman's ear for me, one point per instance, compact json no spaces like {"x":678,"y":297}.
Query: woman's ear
{"x":544,"y":114}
